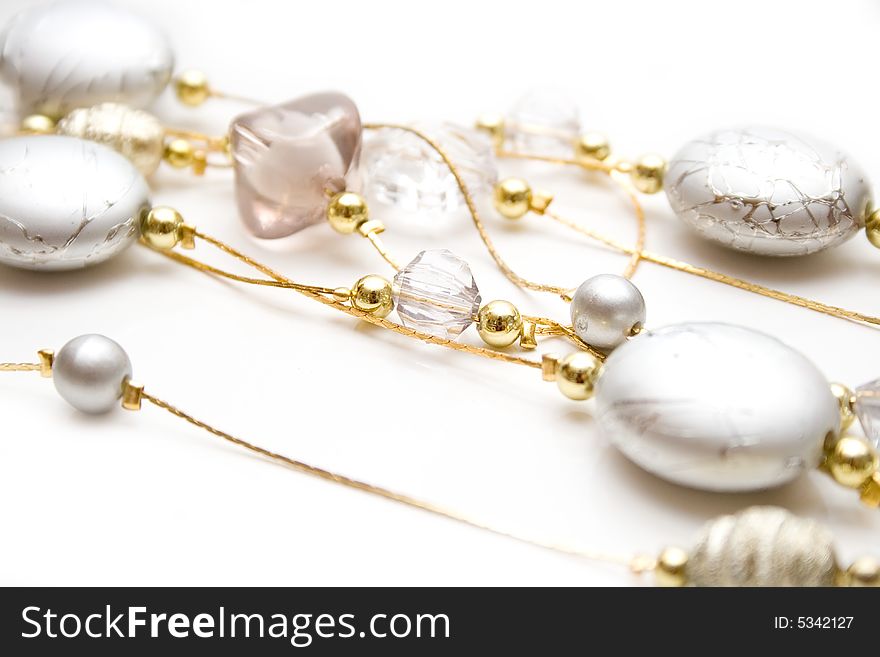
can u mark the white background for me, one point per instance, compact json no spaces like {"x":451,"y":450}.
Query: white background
{"x":143,"y":498}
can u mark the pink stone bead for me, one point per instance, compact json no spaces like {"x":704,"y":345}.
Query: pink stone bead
{"x":290,"y":158}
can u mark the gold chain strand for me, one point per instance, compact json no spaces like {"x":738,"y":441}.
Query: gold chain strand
{"x":472,"y":209}
{"x":636,"y":564}
{"x":377,"y":243}
{"x":614,"y":172}
{"x":321,"y":294}
{"x":19,"y":367}
{"x":711,"y":275}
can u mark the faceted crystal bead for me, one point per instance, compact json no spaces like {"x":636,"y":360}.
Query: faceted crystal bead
{"x":402,"y":170}
{"x":290,"y":158}
{"x":543,"y":121}
{"x":436,"y":293}
{"x":868,"y":410}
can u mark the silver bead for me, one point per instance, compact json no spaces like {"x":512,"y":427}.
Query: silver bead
{"x":89,"y":372}
{"x":763,"y":546}
{"x":605,"y":309}
{"x":66,"y":203}
{"x":62,"y":55}
{"x":715,"y":406}
{"x":136,"y":134}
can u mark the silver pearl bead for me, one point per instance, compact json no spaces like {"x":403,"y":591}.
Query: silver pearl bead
{"x":89,"y":372}
{"x":605,"y":309}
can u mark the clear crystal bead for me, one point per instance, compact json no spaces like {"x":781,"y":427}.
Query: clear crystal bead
{"x":436,"y":293}
{"x":868,"y":410}
{"x":402,"y":170}
{"x":544,"y":121}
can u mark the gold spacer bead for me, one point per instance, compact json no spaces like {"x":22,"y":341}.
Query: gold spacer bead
{"x":549,"y":364}
{"x":347,"y":211}
{"x":492,"y":125}
{"x":671,"y":568}
{"x":540,"y":201}
{"x":132,"y":393}
{"x":47,"y":360}
{"x":851,"y":461}
{"x":342,"y":294}
{"x":37,"y":124}
{"x":872,"y":228}
{"x":160,"y":227}
{"x":869,"y":492}
{"x":864,"y":572}
{"x":591,"y":147}
{"x":499,"y":324}
{"x":192,"y":88}
{"x":576,"y":375}
{"x":512,"y":198}
{"x":846,"y":400}
{"x":179,"y":153}
{"x":199,"y":162}
{"x":187,"y":235}
{"x":647,"y":173}
{"x":373,"y":294}
{"x":527,"y":340}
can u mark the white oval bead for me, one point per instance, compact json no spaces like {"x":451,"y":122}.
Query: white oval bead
{"x":768,"y":191}
{"x":89,"y":373}
{"x":66,"y":202}
{"x":715,"y":406}
{"x":78,"y":53}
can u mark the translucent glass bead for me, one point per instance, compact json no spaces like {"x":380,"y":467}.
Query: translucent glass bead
{"x":403,"y":170}
{"x":436,"y":293}
{"x":867,"y":409}
{"x":543,"y":121}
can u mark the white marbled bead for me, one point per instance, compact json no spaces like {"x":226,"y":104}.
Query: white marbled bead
{"x":768,"y":191}
{"x":605,"y":310}
{"x":66,"y":202}
{"x":78,"y":53}
{"x":715,"y":406}
{"x":89,"y":373}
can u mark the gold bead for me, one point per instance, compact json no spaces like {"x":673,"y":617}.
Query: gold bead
{"x":512,"y":197}
{"x":179,"y":153}
{"x":499,"y":324}
{"x":851,"y":461}
{"x":576,"y":375}
{"x":591,"y":147}
{"x":342,"y":294}
{"x":37,"y":124}
{"x":493,"y":125}
{"x":864,"y":571}
{"x":373,"y":294}
{"x":160,"y":227}
{"x":671,"y":569}
{"x":192,"y":88}
{"x":845,"y":399}
{"x":647,"y":173}
{"x":872,"y":228}
{"x":347,"y":211}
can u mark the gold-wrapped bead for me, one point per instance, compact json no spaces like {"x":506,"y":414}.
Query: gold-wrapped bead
{"x":846,"y":399}
{"x":864,"y":571}
{"x":373,"y":294}
{"x":192,"y":88}
{"x":872,"y":228}
{"x":347,"y":211}
{"x":512,"y":198}
{"x":576,"y":375}
{"x":851,"y":461}
{"x":499,"y":324}
{"x":671,"y":568}
{"x":179,"y":153}
{"x":591,"y":147}
{"x":647,"y":173}
{"x":37,"y":124}
{"x":160,"y":227}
